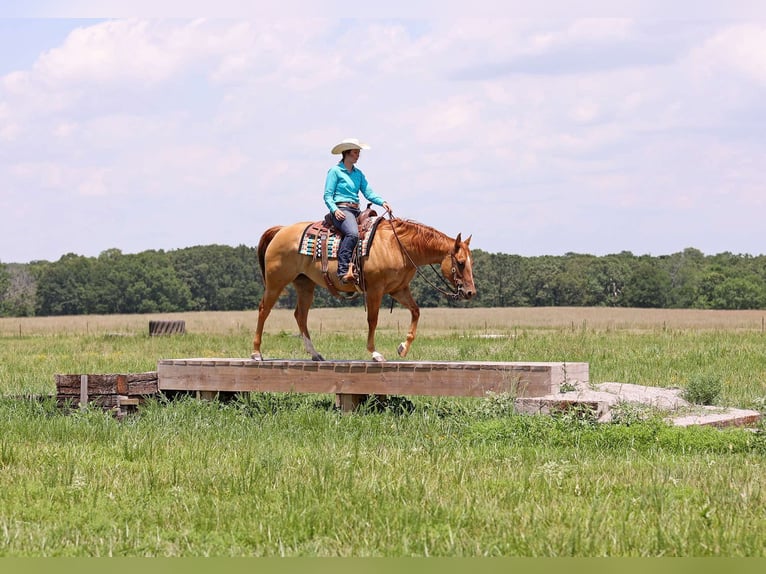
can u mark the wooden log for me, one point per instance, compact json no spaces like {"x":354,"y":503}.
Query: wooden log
{"x":143,"y":384}
{"x":108,"y":384}
{"x":124,"y":401}
{"x":72,"y":401}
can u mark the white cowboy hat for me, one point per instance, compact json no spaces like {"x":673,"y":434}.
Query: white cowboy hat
{"x":349,"y":143}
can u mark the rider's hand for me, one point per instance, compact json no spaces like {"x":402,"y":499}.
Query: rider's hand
{"x":339,"y":215}
{"x":386,"y":206}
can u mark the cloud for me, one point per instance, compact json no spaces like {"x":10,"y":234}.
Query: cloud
{"x":227,"y":123}
{"x":735,"y":52}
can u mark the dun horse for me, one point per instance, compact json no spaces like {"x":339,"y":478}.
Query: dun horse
{"x":399,"y":248}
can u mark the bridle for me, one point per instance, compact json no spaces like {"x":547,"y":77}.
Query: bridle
{"x":457,"y":294}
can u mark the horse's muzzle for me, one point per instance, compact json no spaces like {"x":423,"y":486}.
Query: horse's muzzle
{"x":461,"y":293}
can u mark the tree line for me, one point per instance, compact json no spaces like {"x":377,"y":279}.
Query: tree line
{"x":224,"y":278}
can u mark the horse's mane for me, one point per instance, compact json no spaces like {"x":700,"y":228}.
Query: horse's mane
{"x":417,"y":233}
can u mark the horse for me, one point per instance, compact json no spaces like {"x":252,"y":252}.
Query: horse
{"x":399,"y":247}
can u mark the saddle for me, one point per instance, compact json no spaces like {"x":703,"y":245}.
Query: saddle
{"x":321,"y":240}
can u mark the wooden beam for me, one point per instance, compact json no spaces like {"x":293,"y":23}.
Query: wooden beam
{"x":83,"y":391}
{"x":470,"y":379}
{"x":108,"y":384}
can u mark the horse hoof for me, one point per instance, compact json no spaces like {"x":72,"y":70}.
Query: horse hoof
{"x":256,"y":357}
{"x":317,"y":357}
{"x":378,"y":358}
{"x":401,"y":350}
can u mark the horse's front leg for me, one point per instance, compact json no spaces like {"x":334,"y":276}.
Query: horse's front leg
{"x":404,"y":298}
{"x":373,"y":307}
{"x":304,"y":288}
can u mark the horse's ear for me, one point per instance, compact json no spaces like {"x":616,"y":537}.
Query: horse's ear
{"x":458,"y":240}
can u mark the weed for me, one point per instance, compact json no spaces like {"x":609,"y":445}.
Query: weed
{"x":567,"y":387}
{"x":626,"y":413}
{"x":577,"y":414}
{"x":496,"y":405}
{"x":703,"y":389}
{"x":759,"y":404}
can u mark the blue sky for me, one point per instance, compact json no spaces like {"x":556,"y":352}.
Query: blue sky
{"x":540,"y":134}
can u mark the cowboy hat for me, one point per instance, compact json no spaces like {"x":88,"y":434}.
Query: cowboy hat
{"x":347,"y":144}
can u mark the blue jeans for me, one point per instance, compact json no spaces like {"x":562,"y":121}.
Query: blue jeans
{"x":350,"y":231}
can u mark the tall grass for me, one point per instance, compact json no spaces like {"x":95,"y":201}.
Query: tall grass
{"x":287,"y":475}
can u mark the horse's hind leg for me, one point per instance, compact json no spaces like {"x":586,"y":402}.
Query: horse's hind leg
{"x":304,"y":288}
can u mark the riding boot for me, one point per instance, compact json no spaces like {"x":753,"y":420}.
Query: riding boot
{"x":345,"y":253}
{"x":348,"y":276}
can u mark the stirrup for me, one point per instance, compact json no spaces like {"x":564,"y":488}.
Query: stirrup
{"x":349,"y":276}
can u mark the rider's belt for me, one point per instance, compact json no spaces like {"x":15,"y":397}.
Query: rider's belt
{"x":348,"y":204}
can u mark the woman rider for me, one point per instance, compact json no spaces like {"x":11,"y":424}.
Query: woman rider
{"x":341,"y":196}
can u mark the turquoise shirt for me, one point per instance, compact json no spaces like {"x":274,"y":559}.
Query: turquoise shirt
{"x":343,"y":185}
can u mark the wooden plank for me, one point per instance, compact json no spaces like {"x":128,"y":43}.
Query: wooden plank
{"x":83,"y":390}
{"x":128,"y":401}
{"x":122,"y":384}
{"x":108,"y":384}
{"x":143,"y":384}
{"x":367,"y":377}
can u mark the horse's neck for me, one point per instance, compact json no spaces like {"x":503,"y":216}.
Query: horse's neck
{"x":425,"y":244}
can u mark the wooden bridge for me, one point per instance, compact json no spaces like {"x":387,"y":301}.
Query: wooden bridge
{"x":538,"y":388}
{"x":353,"y":381}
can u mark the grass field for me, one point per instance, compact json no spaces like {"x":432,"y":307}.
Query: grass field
{"x":433,"y":321}
{"x":287,"y":475}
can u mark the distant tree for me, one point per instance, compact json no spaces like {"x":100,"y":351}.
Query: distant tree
{"x":18,"y":299}
{"x":219,"y":277}
{"x":153,"y":285}
{"x":62,"y":287}
{"x":542,"y":283}
{"x":648,"y":285}
{"x":739,"y":293}
{"x":615,"y":273}
{"x":685,"y":271}
{"x":581,"y":282}
{"x":5,"y":281}
{"x":111,"y":283}
{"x":500,"y":280}
{"x":708,"y":284}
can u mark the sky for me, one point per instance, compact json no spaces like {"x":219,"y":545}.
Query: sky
{"x":138,"y":126}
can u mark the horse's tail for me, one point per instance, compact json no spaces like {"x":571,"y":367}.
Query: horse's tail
{"x":266,"y":238}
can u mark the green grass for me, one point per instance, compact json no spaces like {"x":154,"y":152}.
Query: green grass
{"x":661,"y":358}
{"x":287,"y":475}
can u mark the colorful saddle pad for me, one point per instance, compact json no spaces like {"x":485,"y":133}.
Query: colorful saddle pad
{"x":311,"y":240}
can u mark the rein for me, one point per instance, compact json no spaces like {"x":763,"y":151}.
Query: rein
{"x":453,"y":295}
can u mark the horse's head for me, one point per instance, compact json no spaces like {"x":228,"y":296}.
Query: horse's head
{"x":457,"y":267}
